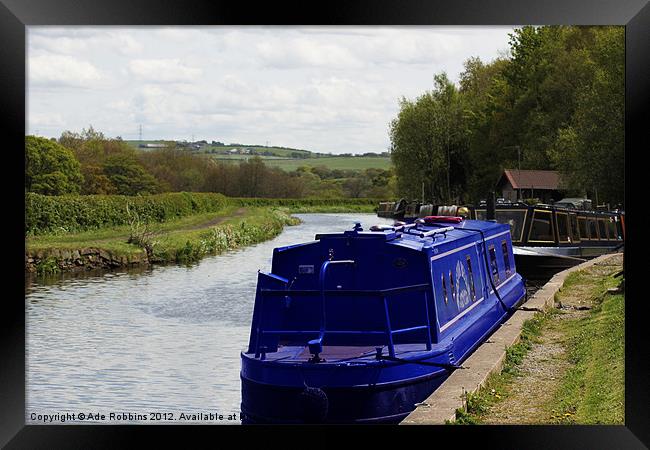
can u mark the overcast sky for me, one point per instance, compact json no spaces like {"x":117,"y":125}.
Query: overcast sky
{"x":325,"y":89}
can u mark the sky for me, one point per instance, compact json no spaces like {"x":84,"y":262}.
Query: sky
{"x":324,"y":89}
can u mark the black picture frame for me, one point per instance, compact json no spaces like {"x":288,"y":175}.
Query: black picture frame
{"x":15,"y":15}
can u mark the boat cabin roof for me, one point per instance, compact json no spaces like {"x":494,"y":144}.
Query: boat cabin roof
{"x":424,"y":236}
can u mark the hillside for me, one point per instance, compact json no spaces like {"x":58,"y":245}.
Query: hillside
{"x":283,"y":157}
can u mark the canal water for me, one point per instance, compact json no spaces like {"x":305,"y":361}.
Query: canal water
{"x":148,"y":346}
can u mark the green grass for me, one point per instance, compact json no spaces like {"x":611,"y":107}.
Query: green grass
{"x":278,"y":151}
{"x":338,"y":162}
{"x":593,"y":389}
{"x":496,"y":387}
{"x":243,"y":221}
{"x":334,"y":209}
{"x":186,"y":246}
{"x":331,"y":162}
{"x":171,"y":237}
{"x":114,"y":238}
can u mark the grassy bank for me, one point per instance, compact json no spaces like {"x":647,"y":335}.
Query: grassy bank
{"x":76,"y":213}
{"x":593,"y":389}
{"x":568,"y":367}
{"x":102,"y":231}
{"x":496,"y":388}
{"x":183,"y":240}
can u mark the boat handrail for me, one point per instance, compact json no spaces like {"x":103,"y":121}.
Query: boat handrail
{"x":383,"y":294}
{"x":432,"y":232}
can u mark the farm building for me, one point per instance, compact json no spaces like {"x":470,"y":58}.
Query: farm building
{"x":518,"y":184}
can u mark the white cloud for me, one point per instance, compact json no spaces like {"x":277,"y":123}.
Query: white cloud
{"x":163,"y":71}
{"x":321,"y":88}
{"x":300,"y":53}
{"x":62,"y":70}
{"x":76,"y":41}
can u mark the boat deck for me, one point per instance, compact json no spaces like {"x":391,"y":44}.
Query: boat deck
{"x":345,"y":353}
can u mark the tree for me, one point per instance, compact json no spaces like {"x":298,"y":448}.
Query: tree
{"x":589,"y":150}
{"x":128,"y":176}
{"x":356,"y":186}
{"x":50,"y":168}
{"x":92,"y":148}
{"x":429,"y":142}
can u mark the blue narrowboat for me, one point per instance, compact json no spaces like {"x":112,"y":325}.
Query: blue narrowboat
{"x":359,"y":326}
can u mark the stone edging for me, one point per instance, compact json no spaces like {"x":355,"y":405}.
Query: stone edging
{"x":83,"y":259}
{"x":441,"y":406}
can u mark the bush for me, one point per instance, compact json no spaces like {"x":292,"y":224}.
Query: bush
{"x":50,"y":168}
{"x":74,"y":213}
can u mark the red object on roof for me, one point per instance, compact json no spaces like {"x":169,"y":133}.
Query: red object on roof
{"x":536,"y":179}
{"x":448,"y":219}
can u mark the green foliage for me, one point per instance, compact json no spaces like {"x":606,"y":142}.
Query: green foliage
{"x":556,"y":102}
{"x":128,"y":176}
{"x":429,"y":141}
{"x":73,"y":213}
{"x":78,"y":213}
{"x":593,"y":389}
{"x":50,"y":168}
{"x":47,"y":266}
{"x":256,"y":228}
{"x":496,"y":387}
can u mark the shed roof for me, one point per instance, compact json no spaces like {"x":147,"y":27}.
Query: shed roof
{"x":536,"y":179}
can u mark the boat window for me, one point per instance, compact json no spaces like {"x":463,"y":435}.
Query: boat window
{"x":593,"y":229}
{"x":613,"y":234}
{"x":481,"y":214}
{"x":575,"y":233}
{"x":602,"y":227}
{"x":451,"y":286}
{"x":541,"y":229}
{"x":493,"y":264}
{"x":515,"y":218}
{"x":563,"y":227}
{"x":444,"y":288}
{"x":506,"y":256}
{"x":582,"y":226}
{"x":472,"y":289}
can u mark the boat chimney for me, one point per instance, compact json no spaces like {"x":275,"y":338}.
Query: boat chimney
{"x":490,"y":213}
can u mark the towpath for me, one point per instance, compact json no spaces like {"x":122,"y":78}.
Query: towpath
{"x":542,"y":369}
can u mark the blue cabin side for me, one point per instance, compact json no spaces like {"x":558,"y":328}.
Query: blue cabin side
{"x":464,"y":276}
{"x":352,"y":287}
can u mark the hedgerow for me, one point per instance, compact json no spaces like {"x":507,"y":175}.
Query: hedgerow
{"x":75,"y":213}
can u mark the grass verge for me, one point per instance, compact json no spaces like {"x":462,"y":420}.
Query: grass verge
{"x":182,"y":240}
{"x":496,"y":387}
{"x":593,"y":389}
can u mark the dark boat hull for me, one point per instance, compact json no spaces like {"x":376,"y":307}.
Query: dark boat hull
{"x":541,"y":267}
{"x":389,"y":403}
{"x":544,"y":262}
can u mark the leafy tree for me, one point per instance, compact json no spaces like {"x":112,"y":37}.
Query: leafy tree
{"x":50,"y":168}
{"x":128,"y":176}
{"x":589,"y":150}
{"x":92,"y":149}
{"x":429,"y":142}
{"x":355,"y":187}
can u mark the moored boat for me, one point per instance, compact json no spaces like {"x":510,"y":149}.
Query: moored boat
{"x":548,"y":238}
{"x":359,"y":326}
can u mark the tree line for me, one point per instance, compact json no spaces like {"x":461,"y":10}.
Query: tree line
{"x":555,"y":102}
{"x":89,"y":163}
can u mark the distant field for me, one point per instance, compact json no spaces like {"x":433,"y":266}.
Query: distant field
{"x":282,"y":157}
{"x":209,"y":148}
{"x":343,"y":162}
